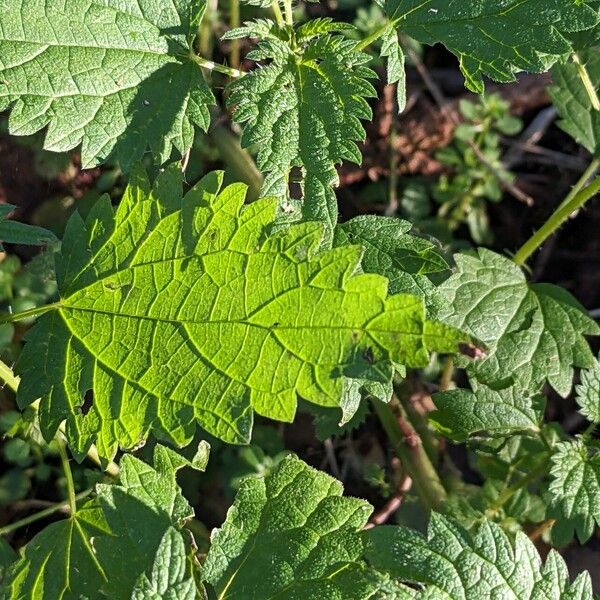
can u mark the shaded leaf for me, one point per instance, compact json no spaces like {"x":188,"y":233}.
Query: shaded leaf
{"x":96,"y":74}
{"x":573,"y":101}
{"x":293,"y":536}
{"x":485,"y":410}
{"x":575,"y":488}
{"x":486,"y":564}
{"x":495,"y":39}
{"x":533,"y":332}
{"x":13,"y":232}
{"x":588,"y":393}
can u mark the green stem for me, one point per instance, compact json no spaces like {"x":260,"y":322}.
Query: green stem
{"x":64,"y":459}
{"x":587,"y":82}
{"x":26,"y":314}
{"x":414,"y":459}
{"x":560,"y":216}
{"x":511,"y":490}
{"x":211,"y":66}
{"x":277,"y":12}
{"x":7,"y":375}
{"x":42,"y":514}
{"x":380,"y":32}
{"x":234,"y":22}
{"x":289,"y":17}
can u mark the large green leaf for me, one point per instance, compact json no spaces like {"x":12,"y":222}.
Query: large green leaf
{"x":102,"y":550}
{"x":292,"y":536}
{"x":113,"y":75}
{"x":182,"y":311}
{"x":533,"y":332}
{"x":575,"y":489}
{"x":573,"y":100}
{"x":303,"y":109}
{"x":495,"y":38}
{"x":454,"y":564}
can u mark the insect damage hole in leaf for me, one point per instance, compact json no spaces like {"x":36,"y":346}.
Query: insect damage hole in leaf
{"x":180,"y":311}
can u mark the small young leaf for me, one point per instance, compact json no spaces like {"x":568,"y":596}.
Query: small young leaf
{"x":533,"y":333}
{"x":588,"y":393}
{"x":391,"y":251}
{"x":396,"y":73}
{"x":182,"y":311}
{"x":457,"y":564}
{"x":304,"y":110}
{"x":462,"y":413}
{"x":293,"y":536}
{"x":573,"y":101}
{"x":116,"y":77}
{"x":495,"y":39}
{"x":575,"y":488}
{"x":13,"y":232}
{"x":168,"y":579}
{"x":110,"y":541}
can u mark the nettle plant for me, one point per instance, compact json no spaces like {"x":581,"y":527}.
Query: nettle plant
{"x":191,"y":308}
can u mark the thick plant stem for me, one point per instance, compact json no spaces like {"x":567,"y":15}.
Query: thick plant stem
{"x":277,"y":13}
{"x":42,"y":514}
{"x":411,"y":453}
{"x":556,"y":220}
{"x":64,"y":459}
{"x":234,"y":22}
{"x":373,"y":37}
{"x":289,"y":18}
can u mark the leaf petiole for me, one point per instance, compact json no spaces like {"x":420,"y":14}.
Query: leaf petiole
{"x":27,"y":314}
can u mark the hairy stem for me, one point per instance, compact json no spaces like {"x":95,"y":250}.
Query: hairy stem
{"x":587,"y":82}
{"x":27,"y":314}
{"x":373,"y":37}
{"x":411,"y":453}
{"x":64,"y":459}
{"x":7,"y":375}
{"x":211,"y":66}
{"x":42,"y":514}
{"x":277,"y":13}
{"x":289,"y":18}
{"x":556,"y":220}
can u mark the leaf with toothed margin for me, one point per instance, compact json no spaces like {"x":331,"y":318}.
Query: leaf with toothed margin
{"x":115,"y":76}
{"x":574,"y":102}
{"x":486,"y":410}
{"x":453,"y":563}
{"x":588,"y":393}
{"x":112,"y":540}
{"x":303,"y":109}
{"x":533,"y":332}
{"x":396,"y":73}
{"x":495,"y":38}
{"x":181,"y":311}
{"x":292,"y":535}
{"x":575,"y":490}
